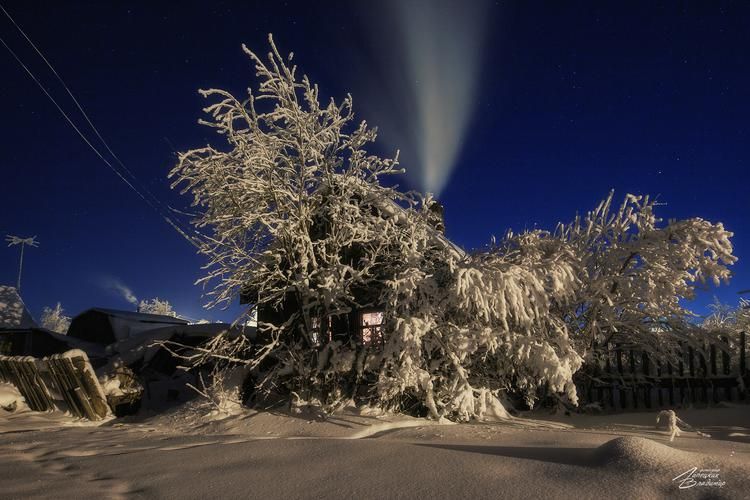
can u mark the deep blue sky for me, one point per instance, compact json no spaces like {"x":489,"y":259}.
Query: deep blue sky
{"x":575,"y":99}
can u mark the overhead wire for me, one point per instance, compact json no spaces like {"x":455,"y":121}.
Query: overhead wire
{"x":67,"y":89}
{"x":154,"y":202}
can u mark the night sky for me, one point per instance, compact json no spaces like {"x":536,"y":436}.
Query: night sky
{"x":573,"y":99}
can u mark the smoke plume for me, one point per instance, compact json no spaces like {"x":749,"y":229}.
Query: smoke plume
{"x":429,"y":53}
{"x":121,"y":289}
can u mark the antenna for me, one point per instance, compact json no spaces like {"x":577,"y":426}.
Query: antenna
{"x":16,"y":240}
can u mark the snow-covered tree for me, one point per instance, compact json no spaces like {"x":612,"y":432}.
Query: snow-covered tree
{"x":722,"y":316}
{"x":295,"y":218}
{"x":728,"y":318}
{"x":635,"y":273}
{"x":294,"y":212}
{"x":743,"y":315}
{"x":156,"y":306}
{"x":54,"y":319}
{"x":723,"y":327}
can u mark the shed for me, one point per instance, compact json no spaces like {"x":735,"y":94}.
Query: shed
{"x":107,"y":326}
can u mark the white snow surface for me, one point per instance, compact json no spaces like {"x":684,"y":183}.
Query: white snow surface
{"x":10,"y":398}
{"x":364,"y":454}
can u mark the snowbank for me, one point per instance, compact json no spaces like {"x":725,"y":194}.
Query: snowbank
{"x":10,"y":399}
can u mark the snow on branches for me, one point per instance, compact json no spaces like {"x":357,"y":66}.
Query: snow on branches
{"x":55,"y":320}
{"x":295,"y":220}
{"x":156,"y":306}
{"x":634,"y":272}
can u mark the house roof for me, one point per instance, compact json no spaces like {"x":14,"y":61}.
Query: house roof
{"x":387,"y":206}
{"x":105,"y":326}
{"x":136,"y":316}
{"x":46,"y":342}
{"x":13,"y":312}
{"x":437,"y":235}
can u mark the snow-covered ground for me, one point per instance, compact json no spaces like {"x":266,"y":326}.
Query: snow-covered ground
{"x":179,"y":454}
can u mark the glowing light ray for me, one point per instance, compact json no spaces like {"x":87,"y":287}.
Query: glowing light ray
{"x":443,"y":42}
{"x":429,"y":92}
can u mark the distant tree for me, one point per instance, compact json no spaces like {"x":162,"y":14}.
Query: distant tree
{"x":743,"y":315}
{"x":55,"y":320}
{"x":156,"y":306}
{"x":722,"y":316}
{"x":726,"y":320}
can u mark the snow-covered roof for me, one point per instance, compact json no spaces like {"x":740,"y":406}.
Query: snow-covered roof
{"x":13,"y":312}
{"x":137,"y":316}
{"x":389,"y":206}
{"x":106,"y":326}
{"x":145,"y":344}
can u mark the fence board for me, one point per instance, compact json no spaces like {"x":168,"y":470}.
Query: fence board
{"x":70,"y":375}
{"x":709,"y":380}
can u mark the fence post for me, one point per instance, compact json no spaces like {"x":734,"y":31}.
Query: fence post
{"x":609,"y":373}
{"x":659,"y":384}
{"x":648,"y":382}
{"x":713,"y":360}
{"x":742,"y":366}
{"x":671,"y":383}
{"x":726,"y":368}
{"x":712,"y":379}
{"x":725,"y":359}
{"x":620,"y":372}
{"x":704,"y":373}
{"x":681,"y":383}
{"x":633,"y":379}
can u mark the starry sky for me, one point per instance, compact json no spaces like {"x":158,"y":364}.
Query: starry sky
{"x":572,"y":99}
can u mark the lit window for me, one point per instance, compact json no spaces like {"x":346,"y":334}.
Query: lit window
{"x":372,"y":328}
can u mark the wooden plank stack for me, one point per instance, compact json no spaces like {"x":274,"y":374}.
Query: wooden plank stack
{"x":65,"y":381}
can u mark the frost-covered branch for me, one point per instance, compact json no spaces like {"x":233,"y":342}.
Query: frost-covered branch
{"x":295,"y":220}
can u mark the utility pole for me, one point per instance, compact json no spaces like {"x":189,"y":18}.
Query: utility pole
{"x":15,"y":240}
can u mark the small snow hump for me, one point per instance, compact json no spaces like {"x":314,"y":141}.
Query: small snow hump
{"x":637,"y":453}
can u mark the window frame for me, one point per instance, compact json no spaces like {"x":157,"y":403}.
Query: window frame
{"x":376,"y":335}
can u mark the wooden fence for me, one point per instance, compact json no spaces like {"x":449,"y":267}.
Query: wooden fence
{"x":626,"y":378}
{"x":66,"y":381}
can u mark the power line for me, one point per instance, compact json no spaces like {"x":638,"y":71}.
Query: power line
{"x":67,"y":89}
{"x":154,"y":202}
{"x":79,"y":106}
{"x":153,"y":199}
{"x":65,"y":115}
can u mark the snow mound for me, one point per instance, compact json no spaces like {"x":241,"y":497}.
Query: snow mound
{"x":655,"y":470}
{"x":639,"y":453}
{"x":10,"y":399}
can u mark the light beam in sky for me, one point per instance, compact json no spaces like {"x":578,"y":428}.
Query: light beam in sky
{"x":432,"y":64}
